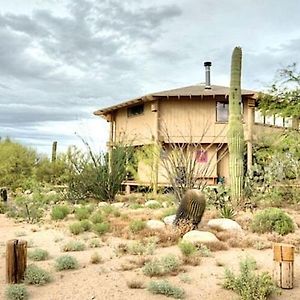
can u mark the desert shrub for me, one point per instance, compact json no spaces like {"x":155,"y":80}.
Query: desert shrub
{"x":153,"y":268}
{"x":169,"y":211}
{"x":185,"y":278}
{"x":204,"y":251}
{"x":154,"y":205}
{"x":97,"y":175}
{"x":159,"y":267}
{"x":170,"y":263}
{"x":96,"y":258}
{"x":135,"y":284}
{"x":82,"y":213}
{"x":135,"y":206}
{"x":140,"y":248}
{"x":16,"y":292}
{"x":227,"y":212}
{"x":136,"y":225}
{"x":97,"y":217}
{"x":187,"y":248}
{"x":101,"y":228}
{"x":66,"y":262}
{"x":73,"y":246}
{"x":36,"y":275}
{"x":38,"y":254}
{"x":94,"y":243}
{"x":272,"y":219}
{"x":59,"y":212}
{"x":163,"y":287}
{"x":86,"y":225}
{"x":248,"y":284}
{"x":76,"y":228}
{"x":16,"y":163}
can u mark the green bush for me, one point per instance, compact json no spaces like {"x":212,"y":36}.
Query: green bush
{"x":94,"y":243}
{"x":163,"y":287}
{"x":158,"y":267}
{"x":16,"y":163}
{"x":16,"y":292}
{"x":66,"y":262}
{"x":76,"y":228}
{"x":36,"y":275}
{"x":97,"y":217}
{"x":248,"y":284}
{"x":140,"y":248}
{"x":153,"y":268}
{"x":187,"y":248}
{"x":73,"y":246}
{"x":38,"y":254}
{"x":59,"y":212}
{"x":101,"y":228}
{"x":272,"y":219}
{"x":86,"y":225}
{"x":137,"y":225}
{"x":82,"y":213}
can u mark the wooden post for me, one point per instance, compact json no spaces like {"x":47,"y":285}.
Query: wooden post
{"x":283,"y":272}
{"x":16,"y":260}
{"x":54,"y":149}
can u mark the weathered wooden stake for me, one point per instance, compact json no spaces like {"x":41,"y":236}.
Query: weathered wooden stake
{"x":16,"y":260}
{"x":54,"y":149}
{"x":283,"y":272}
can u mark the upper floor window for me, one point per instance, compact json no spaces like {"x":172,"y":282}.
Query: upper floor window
{"x":222,"y":111}
{"x":135,"y":110}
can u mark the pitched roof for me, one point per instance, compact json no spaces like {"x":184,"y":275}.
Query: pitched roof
{"x":193,"y":90}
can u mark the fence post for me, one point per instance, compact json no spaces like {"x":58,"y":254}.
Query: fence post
{"x":16,"y":260}
{"x":283,"y":271}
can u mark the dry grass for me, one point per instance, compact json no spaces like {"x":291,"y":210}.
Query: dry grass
{"x":135,"y":283}
{"x":192,"y":260}
{"x":226,"y":235}
{"x":217,"y":246}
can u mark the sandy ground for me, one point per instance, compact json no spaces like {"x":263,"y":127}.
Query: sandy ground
{"x":108,"y":280}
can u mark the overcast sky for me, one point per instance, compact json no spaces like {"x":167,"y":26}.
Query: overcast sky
{"x":62,"y":60}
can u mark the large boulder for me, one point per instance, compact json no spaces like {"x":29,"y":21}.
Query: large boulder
{"x":118,"y":204}
{"x":224,"y":225}
{"x":169,"y":220}
{"x":199,"y":237}
{"x":155,"y":225}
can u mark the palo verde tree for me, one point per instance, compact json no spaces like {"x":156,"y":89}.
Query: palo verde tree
{"x":235,"y":129}
{"x":283,"y":97}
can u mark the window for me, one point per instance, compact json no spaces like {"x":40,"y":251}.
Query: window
{"x":135,"y":110}
{"x":222,"y":111}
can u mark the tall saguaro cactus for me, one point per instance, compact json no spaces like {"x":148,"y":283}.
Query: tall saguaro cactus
{"x":235,"y":129}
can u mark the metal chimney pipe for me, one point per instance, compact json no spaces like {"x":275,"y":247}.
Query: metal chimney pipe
{"x":207,"y":66}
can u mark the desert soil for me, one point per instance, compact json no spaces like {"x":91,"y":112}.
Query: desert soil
{"x":108,"y":281}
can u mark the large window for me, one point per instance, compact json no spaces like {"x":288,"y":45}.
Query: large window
{"x":135,"y":110}
{"x":222,"y":112}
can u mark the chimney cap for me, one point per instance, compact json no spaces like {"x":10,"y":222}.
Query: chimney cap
{"x":207,"y":64}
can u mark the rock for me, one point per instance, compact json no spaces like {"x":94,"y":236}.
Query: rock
{"x":28,"y":192}
{"x":155,"y":224}
{"x":51,"y":193}
{"x":152,"y":203}
{"x":223,"y":224}
{"x":118,"y":204}
{"x":102,"y":203}
{"x":169,"y":219}
{"x":196,"y":236}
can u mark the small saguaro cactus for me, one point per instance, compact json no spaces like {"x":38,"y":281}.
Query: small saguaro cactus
{"x":235,"y":129}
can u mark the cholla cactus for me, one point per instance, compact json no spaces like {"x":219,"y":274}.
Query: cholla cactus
{"x":235,"y":129}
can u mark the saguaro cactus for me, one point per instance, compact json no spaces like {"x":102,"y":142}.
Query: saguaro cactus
{"x":235,"y":129}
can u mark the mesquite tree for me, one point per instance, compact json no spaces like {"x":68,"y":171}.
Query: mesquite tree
{"x":235,"y":129}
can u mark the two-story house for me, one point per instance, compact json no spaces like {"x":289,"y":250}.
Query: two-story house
{"x":195,"y":114}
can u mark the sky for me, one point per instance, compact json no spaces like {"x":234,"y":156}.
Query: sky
{"x":60,"y":60}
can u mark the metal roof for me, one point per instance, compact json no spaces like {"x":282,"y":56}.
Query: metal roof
{"x":193,"y":90}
